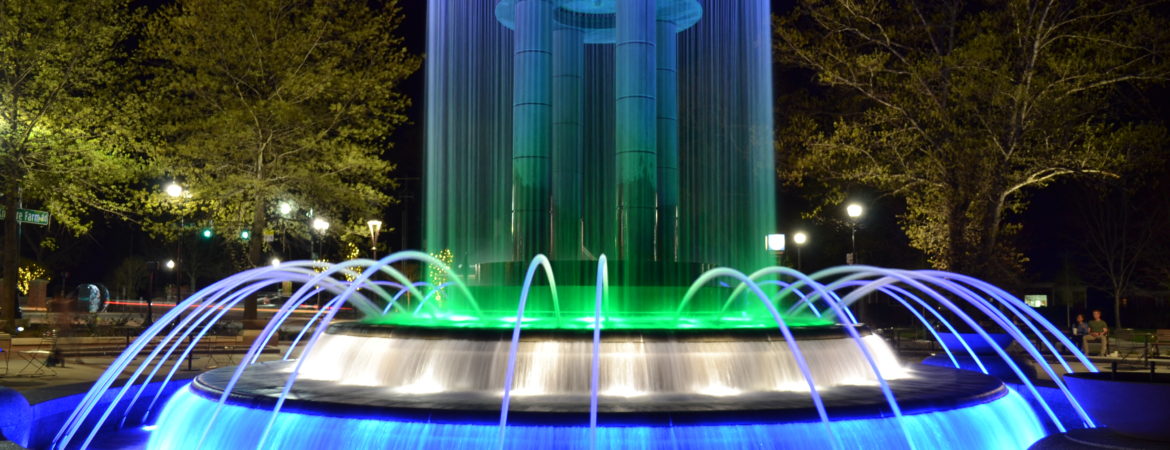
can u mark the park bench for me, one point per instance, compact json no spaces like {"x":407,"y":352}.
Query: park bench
{"x":5,"y":351}
{"x":1161,"y":343}
{"x":1129,"y":344}
{"x":209,"y":346}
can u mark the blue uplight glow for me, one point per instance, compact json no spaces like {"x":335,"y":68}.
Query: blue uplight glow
{"x":1003,"y":423}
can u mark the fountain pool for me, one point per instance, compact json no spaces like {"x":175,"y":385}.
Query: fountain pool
{"x":599,"y":177}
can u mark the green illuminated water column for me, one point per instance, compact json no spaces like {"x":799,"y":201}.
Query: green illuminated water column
{"x":568,"y":60}
{"x":531,"y":124}
{"x":637,"y":129}
{"x":636,"y":136}
{"x":761,"y":171}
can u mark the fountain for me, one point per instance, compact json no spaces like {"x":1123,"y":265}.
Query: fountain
{"x":602,"y":297}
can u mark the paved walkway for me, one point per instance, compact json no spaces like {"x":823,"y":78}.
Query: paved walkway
{"x":85,"y":359}
{"x":76,"y":374}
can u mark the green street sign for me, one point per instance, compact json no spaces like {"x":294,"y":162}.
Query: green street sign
{"x":28,"y":216}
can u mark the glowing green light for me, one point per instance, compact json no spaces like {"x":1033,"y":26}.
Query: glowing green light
{"x":664,"y":184}
{"x":207,"y":233}
{"x":625,"y":308}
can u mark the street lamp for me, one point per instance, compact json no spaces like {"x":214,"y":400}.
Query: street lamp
{"x":320,"y":225}
{"x":174,"y":190}
{"x":170,"y":265}
{"x":375,"y":227}
{"x":854,"y":211}
{"x":799,"y":239}
{"x":285,"y":208}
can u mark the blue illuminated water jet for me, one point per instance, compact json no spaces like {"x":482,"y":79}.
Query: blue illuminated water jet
{"x":587,"y":392}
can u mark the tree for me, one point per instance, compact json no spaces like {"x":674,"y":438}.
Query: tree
{"x":256,"y":102}
{"x":961,"y":107}
{"x":61,"y":146}
{"x":1122,"y":226}
{"x":130,"y":276}
{"x":1118,"y":239}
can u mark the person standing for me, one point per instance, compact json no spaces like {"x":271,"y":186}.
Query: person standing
{"x":1098,"y":331}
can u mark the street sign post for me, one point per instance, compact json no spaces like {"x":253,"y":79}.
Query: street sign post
{"x":32,"y":216}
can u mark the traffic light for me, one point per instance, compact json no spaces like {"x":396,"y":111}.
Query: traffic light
{"x":206,"y":233}
{"x":245,"y":234}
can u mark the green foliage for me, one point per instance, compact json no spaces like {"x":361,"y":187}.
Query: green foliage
{"x":253,"y":102}
{"x":62,"y":145}
{"x":960,"y":107}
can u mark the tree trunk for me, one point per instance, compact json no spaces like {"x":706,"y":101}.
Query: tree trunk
{"x":255,"y":248}
{"x":988,"y":261}
{"x":8,"y":298}
{"x":956,"y":231}
{"x":1117,"y":308}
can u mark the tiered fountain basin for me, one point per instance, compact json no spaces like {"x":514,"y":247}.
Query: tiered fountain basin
{"x":377,"y":386}
{"x":708,"y":371}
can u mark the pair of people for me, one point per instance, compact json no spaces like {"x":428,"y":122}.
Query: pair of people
{"x":1095,"y":330}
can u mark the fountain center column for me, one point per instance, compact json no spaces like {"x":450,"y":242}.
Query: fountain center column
{"x":636,"y":152}
{"x":568,"y":63}
{"x":667,"y":78}
{"x":531,"y":122}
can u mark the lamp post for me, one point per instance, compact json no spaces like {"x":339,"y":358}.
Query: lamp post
{"x":170,"y":266}
{"x":175,"y":191}
{"x":151,"y":267}
{"x":284,"y":208}
{"x":320,"y":225}
{"x":854,"y":211}
{"x":799,"y":239}
{"x":375,"y":227}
